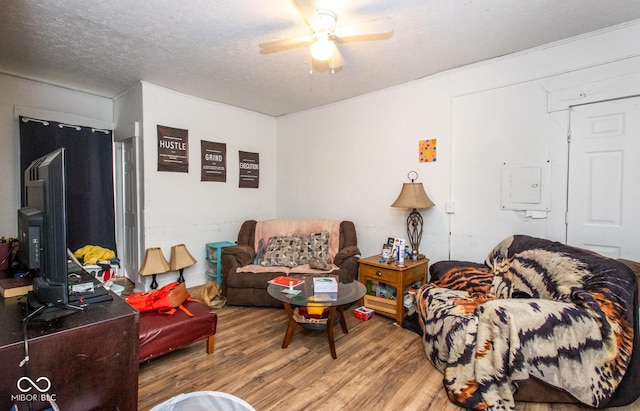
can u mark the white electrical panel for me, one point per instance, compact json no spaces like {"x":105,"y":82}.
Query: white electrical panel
{"x":526,"y":187}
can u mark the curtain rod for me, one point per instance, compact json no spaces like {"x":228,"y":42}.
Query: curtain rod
{"x":61,"y":125}
{"x":78,"y":128}
{"x":27,"y":119}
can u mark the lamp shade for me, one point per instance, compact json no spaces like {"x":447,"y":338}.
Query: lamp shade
{"x":180,"y":257}
{"x":154,"y":262}
{"x":322,"y":49}
{"x":413,"y":196}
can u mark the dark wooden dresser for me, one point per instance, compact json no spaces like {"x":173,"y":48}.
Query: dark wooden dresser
{"x":87,"y":360}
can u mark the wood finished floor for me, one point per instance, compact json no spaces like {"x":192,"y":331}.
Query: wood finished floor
{"x":379,"y":367}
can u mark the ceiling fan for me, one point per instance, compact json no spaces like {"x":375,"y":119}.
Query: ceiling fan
{"x":324,"y":33}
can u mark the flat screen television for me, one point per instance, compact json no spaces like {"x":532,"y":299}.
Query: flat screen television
{"x":42,"y":227}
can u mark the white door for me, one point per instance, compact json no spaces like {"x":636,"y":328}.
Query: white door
{"x":130,"y":211}
{"x":603,"y":211}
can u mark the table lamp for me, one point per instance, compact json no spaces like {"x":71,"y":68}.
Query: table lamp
{"x":180,"y":259}
{"x":413,"y":197}
{"x":153,"y":263}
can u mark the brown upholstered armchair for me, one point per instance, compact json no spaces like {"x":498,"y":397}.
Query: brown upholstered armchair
{"x":537,"y":321}
{"x":245,"y":283}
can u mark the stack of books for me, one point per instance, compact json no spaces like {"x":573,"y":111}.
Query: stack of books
{"x":12,"y":286}
{"x":286,"y":281}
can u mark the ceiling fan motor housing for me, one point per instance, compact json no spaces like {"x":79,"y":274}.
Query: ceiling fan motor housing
{"x":326,"y":23}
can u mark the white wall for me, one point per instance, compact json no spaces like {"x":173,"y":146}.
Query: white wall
{"x":58,"y":104}
{"x":504,"y":125}
{"x":178,"y":207}
{"x":349,"y":159}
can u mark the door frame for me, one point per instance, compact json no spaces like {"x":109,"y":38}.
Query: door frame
{"x":570,"y":152}
{"x":624,"y":86}
{"x":129,"y":260}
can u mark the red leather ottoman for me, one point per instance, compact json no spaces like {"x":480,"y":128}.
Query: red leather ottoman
{"x":162,"y":333}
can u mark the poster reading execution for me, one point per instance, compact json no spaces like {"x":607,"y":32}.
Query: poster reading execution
{"x":249,"y":170}
{"x":173,"y":149}
{"x":214,"y":161}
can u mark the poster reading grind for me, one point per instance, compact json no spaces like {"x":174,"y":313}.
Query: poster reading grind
{"x":173,"y":149}
{"x":214,"y":161}
{"x":249,"y":170}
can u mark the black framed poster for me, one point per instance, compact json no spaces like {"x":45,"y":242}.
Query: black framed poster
{"x":249,"y":170}
{"x":173,"y":149}
{"x":214,"y":161}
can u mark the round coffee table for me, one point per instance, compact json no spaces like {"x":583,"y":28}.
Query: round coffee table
{"x":347,"y":293}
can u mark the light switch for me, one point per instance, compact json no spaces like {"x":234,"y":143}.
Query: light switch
{"x":450,"y":207}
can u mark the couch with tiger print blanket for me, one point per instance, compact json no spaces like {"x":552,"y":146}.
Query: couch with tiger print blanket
{"x":535,"y":309}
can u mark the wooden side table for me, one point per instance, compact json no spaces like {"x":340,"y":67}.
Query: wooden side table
{"x":371,"y":269}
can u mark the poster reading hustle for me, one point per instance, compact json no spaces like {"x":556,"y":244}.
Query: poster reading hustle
{"x":173,"y":149}
{"x":214,"y":161}
{"x":249,"y":170}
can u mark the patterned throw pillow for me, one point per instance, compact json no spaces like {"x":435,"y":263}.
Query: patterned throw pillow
{"x":314,"y":245}
{"x":282,"y":251}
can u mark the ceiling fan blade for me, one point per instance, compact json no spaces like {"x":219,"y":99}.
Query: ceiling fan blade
{"x":273,"y":46}
{"x":336,"y":61}
{"x":308,"y":10}
{"x":378,"y":27}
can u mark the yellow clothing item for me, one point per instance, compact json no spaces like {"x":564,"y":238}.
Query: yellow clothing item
{"x":91,"y":254}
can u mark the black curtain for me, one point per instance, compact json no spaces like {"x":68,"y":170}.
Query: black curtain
{"x":89,"y":166}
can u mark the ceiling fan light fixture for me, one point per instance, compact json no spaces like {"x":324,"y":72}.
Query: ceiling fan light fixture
{"x":322,"y":49}
{"x":324,"y":35}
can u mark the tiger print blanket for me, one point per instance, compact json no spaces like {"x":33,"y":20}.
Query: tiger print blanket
{"x":535,"y":308}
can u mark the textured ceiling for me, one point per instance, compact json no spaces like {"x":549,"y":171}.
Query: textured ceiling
{"x":209,"y":48}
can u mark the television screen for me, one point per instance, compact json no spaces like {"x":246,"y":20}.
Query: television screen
{"x":42,"y":222}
